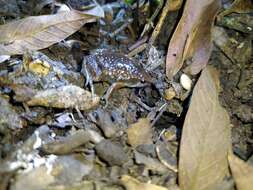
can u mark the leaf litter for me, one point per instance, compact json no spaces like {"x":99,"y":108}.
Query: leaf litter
{"x":59,"y":129}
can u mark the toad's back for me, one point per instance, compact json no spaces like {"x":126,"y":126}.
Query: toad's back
{"x":107,"y":66}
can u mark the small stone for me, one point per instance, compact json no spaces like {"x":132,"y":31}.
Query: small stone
{"x":185,"y":81}
{"x":8,"y":116}
{"x":169,"y":94}
{"x":112,"y":153}
{"x":139,"y":133}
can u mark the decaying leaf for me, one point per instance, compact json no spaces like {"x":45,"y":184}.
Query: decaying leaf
{"x":140,"y":132}
{"x":8,"y":115}
{"x":39,"y":67}
{"x":238,"y":6}
{"x":175,"y":4}
{"x":206,"y":137}
{"x":191,"y":40}
{"x":237,"y":52}
{"x":69,"y":96}
{"x":38,"y":32}
{"x":242,"y":172}
{"x":133,"y":184}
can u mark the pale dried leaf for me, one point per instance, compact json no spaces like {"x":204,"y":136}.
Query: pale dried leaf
{"x":131,"y":183}
{"x":4,"y":58}
{"x":192,"y":37}
{"x":242,"y":172}
{"x":206,"y":137}
{"x":39,"y":32}
{"x":69,"y":96}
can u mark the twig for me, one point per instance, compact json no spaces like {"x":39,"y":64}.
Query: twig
{"x":137,"y":50}
{"x":159,"y":25}
{"x":113,"y":34}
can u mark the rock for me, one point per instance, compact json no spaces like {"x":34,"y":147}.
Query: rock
{"x":140,"y":133}
{"x":169,"y":93}
{"x":8,"y":116}
{"x":67,"y":169}
{"x":36,"y":179}
{"x":105,"y":123}
{"x":112,"y":153}
{"x":147,"y":149}
{"x":151,"y":164}
{"x":185,"y":81}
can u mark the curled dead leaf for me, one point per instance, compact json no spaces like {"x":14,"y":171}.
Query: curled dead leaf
{"x":191,"y":40}
{"x":39,"y":32}
{"x":69,"y":96}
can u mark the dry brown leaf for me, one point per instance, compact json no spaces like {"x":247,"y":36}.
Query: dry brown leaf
{"x":242,"y":173}
{"x":206,"y":137}
{"x":192,"y":37}
{"x":131,"y":183}
{"x":175,"y":5}
{"x":140,"y":132}
{"x":69,"y":96}
{"x":38,"y":32}
{"x":199,"y":43}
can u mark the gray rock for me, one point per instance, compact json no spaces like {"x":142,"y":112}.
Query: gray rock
{"x":112,"y":153}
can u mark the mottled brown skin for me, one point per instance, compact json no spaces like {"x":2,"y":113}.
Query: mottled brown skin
{"x":114,"y":68}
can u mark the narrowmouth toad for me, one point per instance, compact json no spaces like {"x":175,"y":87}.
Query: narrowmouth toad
{"x":114,"y":68}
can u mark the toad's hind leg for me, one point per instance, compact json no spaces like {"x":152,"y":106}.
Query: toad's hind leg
{"x":118,"y":85}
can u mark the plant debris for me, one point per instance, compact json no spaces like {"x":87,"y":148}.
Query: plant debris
{"x":114,"y":95}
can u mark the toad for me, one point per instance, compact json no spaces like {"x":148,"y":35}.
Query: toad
{"x":114,"y":68}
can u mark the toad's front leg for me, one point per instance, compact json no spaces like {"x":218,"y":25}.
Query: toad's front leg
{"x":88,"y":77}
